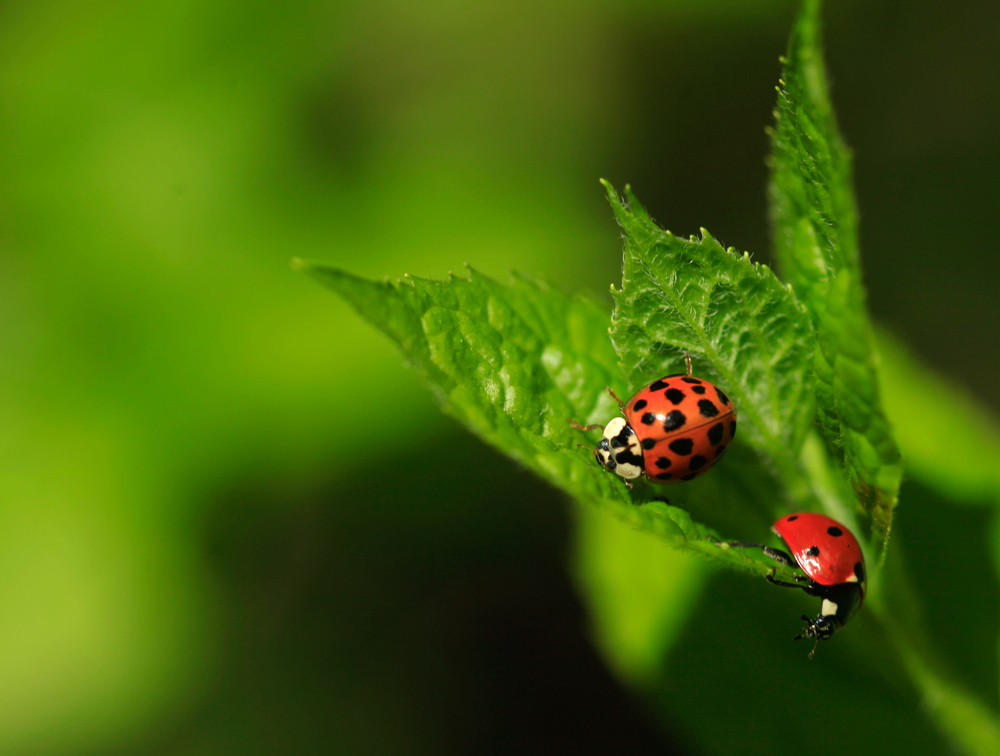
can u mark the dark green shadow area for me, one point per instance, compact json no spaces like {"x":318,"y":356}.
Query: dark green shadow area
{"x":736,"y":683}
{"x":947,"y":555}
{"x":428,"y":614}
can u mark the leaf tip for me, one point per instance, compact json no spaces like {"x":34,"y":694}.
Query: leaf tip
{"x":612,"y":194}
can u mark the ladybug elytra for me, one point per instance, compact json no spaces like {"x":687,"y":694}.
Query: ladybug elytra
{"x":834,"y":567}
{"x":674,"y":429}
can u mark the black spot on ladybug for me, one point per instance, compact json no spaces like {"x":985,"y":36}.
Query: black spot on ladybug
{"x":675,"y":395}
{"x":657,"y":385}
{"x":622,"y":438}
{"x":813,"y":551}
{"x":674,"y":420}
{"x":629,"y":458}
{"x":859,"y":571}
{"x":639,"y":405}
{"x":732,"y":430}
{"x":648,"y":443}
{"x":697,"y":462}
{"x":682,"y":446}
{"x":663,"y":476}
{"x":690,"y":380}
{"x":793,"y":518}
{"x":648,"y":419}
{"x":663,"y":463}
{"x":722,"y":397}
{"x":834,"y":531}
{"x":719,"y":450}
{"x":698,"y":389}
{"x":706,"y":408}
{"x":691,"y":476}
{"x":715,"y":433}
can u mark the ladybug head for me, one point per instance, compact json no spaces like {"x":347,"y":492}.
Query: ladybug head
{"x":820,"y":628}
{"x":619,"y":450}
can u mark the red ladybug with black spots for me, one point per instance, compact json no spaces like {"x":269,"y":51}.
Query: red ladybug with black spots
{"x":834,"y":567}
{"x":674,"y":429}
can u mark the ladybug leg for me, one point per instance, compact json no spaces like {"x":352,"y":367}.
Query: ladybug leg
{"x":576,"y":426}
{"x":776,"y":554}
{"x":614,"y":396}
{"x":779,"y":556}
{"x":770,"y":578}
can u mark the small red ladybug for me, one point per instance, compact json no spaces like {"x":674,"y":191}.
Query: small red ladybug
{"x":674,"y":429}
{"x":831,"y":557}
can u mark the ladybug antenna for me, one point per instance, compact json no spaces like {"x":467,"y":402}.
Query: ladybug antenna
{"x":805,"y":633}
{"x":687,"y":362}
{"x":614,"y":396}
{"x":584,"y":446}
{"x":809,"y":632}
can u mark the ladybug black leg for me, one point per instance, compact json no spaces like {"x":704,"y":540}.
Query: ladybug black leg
{"x":779,"y":556}
{"x":776,"y":554}
{"x":614,"y":396}
{"x":782,"y":583}
{"x":576,"y":426}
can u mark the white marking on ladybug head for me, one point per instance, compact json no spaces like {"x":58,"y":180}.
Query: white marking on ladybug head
{"x":828,"y":608}
{"x":852,"y":579}
{"x":627,"y":471}
{"x":614,"y":428}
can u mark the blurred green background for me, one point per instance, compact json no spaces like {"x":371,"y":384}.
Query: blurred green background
{"x":203,"y":547}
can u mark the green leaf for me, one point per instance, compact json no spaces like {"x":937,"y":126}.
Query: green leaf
{"x":814,"y":216}
{"x":514,"y":363}
{"x":745,"y":331}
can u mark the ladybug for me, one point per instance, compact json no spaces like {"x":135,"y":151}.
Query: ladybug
{"x":673,"y":429}
{"x":834,"y":567}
